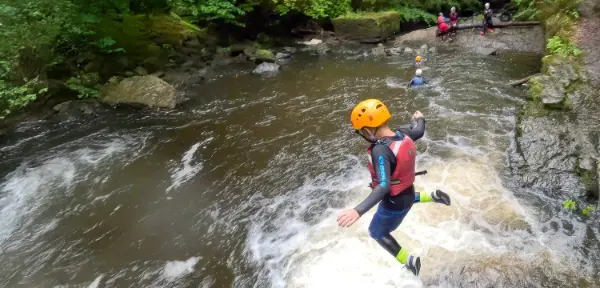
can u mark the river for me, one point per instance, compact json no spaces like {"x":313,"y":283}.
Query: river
{"x":241,"y":186}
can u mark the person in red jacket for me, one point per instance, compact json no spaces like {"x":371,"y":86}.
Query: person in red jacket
{"x":391,"y":164}
{"x":442,"y":26}
{"x":453,"y":20}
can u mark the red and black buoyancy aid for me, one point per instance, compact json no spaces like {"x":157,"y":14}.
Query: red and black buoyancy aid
{"x":403,"y":175}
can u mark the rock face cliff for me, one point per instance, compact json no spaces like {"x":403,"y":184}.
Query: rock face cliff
{"x":557,"y":139}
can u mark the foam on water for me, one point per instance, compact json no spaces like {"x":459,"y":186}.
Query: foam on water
{"x":34,"y":185}
{"x":96,"y":282}
{"x":188,"y":169}
{"x":177,"y":269}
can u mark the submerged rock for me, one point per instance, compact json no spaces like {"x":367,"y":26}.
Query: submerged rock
{"x":290,"y":49}
{"x":266,"y":69}
{"x":378,"y":51}
{"x":185,"y":79}
{"x":141,"y":71}
{"x":146,"y":90}
{"x":395,"y":51}
{"x":486,"y":51}
{"x":280,"y":56}
{"x":323,"y":49}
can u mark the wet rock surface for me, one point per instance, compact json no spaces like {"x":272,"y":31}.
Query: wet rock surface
{"x":557,"y":133}
{"x":145,"y":90}
{"x":526,"y":39}
{"x":266,"y":69}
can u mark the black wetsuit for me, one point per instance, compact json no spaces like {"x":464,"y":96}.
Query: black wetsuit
{"x":487,"y":20}
{"x":402,"y":201}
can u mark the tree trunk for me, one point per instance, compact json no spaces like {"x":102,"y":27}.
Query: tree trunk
{"x":498,"y":24}
{"x":522,"y":81}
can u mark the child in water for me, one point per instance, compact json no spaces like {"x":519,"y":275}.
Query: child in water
{"x":487,"y":20}
{"x":418,"y":63}
{"x":417,"y":80}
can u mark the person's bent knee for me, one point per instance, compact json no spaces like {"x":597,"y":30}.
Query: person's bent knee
{"x":377,"y":235}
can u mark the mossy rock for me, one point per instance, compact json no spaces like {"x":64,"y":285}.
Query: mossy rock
{"x":367,"y":26}
{"x":549,"y":91}
{"x":535,"y":88}
{"x":142,"y":36}
{"x":263,"y":55}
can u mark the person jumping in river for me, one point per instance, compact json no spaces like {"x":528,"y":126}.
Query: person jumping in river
{"x":417,"y":80}
{"x":488,"y":24}
{"x":391,"y":163}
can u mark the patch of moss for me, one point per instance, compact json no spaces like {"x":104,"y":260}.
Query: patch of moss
{"x":535,"y":89}
{"x":533,"y":109}
{"x":567,"y":104}
{"x":263,"y":55}
{"x":574,"y":86}
{"x":369,"y":25}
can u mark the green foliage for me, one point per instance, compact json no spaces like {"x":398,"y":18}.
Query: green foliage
{"x":589,"y":209}
{"x":416,"y":15}
{"x":527,"y":10}
{"x":106,"y":45}
{"x":570,"y":205}
{"x":318,"y":9}
{"x":85,"y":85}
{"x":557,"y":45}
{"x":15,"y":97}
{"x":223,"y":10}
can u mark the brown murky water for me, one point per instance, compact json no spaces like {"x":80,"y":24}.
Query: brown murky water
{"x":241,"y":188}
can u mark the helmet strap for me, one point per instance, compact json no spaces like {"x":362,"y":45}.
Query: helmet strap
{"x":370,"y":139}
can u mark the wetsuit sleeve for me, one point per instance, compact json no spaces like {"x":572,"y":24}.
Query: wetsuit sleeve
{"x":382,"y":164}
{"x":415,"y":131}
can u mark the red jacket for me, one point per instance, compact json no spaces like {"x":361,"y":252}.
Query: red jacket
{"x":403,"y":175}
{"x":442,"y":25}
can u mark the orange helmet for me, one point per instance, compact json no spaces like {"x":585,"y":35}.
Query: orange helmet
{"x":369,"y":113}
{"x":418,"y":58}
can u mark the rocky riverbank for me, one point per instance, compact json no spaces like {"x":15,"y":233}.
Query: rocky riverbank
{"x":557,"y":139}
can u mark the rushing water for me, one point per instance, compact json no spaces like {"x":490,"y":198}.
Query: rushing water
{"x":241,"y":188}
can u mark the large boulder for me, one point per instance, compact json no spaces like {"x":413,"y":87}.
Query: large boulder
{"x":367,"y":27}
{"x":553,"y":86}
{"x":146,"y":90}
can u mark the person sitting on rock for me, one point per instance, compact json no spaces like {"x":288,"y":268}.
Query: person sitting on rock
{"x":417,"y":80}
{"x":442,"y":26}
{"x":487,"y":20}
{"x":453,"y":20}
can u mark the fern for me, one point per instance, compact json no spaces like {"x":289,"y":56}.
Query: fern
{"x":559,"y":46}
